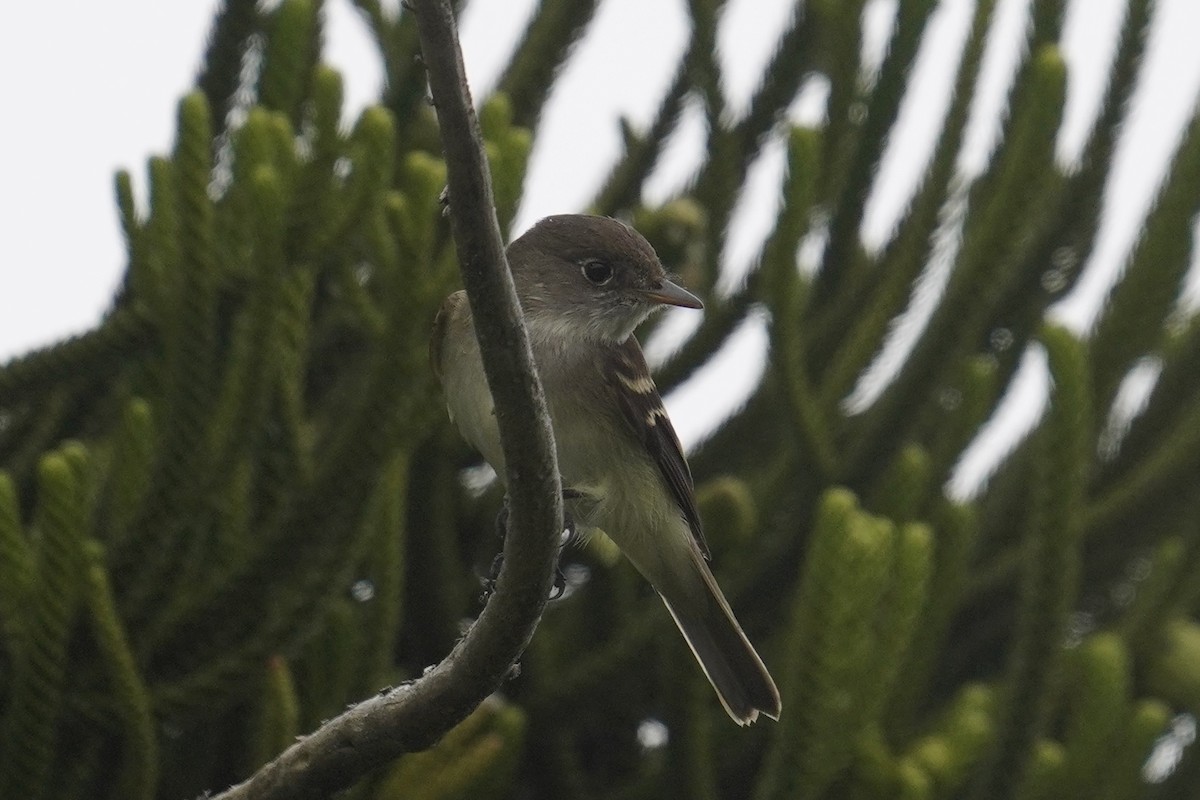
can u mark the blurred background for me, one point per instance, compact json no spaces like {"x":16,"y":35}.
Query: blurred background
{"x":943,"y":405}
{"x":80,"y":126}
{"x":88,"y":104}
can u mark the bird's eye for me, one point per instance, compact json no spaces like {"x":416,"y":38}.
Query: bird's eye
{"x":598,"y":273}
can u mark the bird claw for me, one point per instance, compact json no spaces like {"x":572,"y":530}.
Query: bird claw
{"x":569,"y":535}
{"x":559,"y":588}
{"x":489,"y":582}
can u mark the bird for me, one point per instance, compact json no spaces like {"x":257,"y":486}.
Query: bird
{"x":585,"y":283}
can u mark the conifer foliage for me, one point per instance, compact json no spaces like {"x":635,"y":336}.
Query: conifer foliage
{"x":237,"y":505}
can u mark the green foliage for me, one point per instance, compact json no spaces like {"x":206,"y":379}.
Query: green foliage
{"x":137,"y":776}
{"x":956,"y":742}
{"x":277,"y":720}
{"x":236,"y":505}
{"x":730,"y":516}
{"x":1099,"y":693}
{"x":477,"y":759}
{"x":1049,"y":576}
{"x":38,"y":650}
{"x":851,"y":624}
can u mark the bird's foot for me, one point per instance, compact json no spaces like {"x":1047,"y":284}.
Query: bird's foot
{"x":568,"y":537}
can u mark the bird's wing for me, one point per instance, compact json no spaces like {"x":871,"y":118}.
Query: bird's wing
{"x":643,"y":410}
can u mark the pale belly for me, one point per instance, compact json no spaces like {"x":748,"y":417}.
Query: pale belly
{"x":598,"y":455}
{"x":624,"y":493}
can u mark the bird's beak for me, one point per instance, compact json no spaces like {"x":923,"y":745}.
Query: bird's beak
{"x":672,"y":294}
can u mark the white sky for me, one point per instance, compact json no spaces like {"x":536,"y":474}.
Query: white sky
{"x":91,"y":87}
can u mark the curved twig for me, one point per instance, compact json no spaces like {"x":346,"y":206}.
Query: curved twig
{"x":414,"y":716}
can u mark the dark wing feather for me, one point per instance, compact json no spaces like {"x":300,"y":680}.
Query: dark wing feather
{"x":642,"y":406}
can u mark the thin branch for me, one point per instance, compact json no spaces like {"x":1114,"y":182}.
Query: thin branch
{"x":415,"y":716}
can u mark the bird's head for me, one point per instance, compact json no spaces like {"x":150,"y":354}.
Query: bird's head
{"x":590,"y":277}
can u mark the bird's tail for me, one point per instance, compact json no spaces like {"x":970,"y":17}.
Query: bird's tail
{"x":728,"y":659}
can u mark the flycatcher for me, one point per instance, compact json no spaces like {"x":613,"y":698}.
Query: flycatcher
{"x":585,"y":283}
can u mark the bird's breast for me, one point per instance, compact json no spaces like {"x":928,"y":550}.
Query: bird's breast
{"x":598,"y":454}
{"x":470,"y":402}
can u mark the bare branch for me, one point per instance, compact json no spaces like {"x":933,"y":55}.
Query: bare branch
{"x":415,"y":716}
